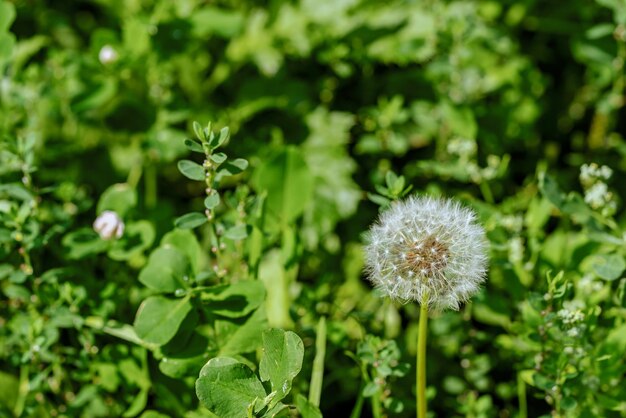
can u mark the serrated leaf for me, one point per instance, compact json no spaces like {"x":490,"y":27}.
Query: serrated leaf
{"x":191,"y":170}
{"x":227,"y":387}
{"x":158,"y":318}
{"x":190,"y":220}
{"x":283,"y":352}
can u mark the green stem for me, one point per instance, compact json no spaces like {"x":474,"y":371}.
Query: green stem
{"x":377,"y":410}
{"x":22,"y":391}
{"x":358,"y":406}
{"x":317,"y":376}
{"x":521,"y":394}
{"x":421,"y":361}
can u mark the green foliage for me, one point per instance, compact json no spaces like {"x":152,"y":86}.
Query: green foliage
{"x":240,"y":241}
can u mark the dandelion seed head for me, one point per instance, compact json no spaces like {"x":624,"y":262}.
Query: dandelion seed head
{"x":427,"y":250}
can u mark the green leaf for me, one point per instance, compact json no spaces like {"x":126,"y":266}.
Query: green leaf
{"x":120,"y":198}
{"x":193,"y":146}
{"x":219,"y":140}
{"x":186,"y":361}
{"x":609,"y":266}
{"x":191,"y":170}
{"x":186,"y":242}
{"x":137,"y":237}
{"x":227,"y":388}
{"x":218,"y":158}
{"x":9,"y":389}
{"x":167,"y":270}
{"x":197,"y":128}
{"x":241,"y":335}
{"x":230,"y":168}
{"x":158,"y":318}
{"x":7,"y":15}
{"x":283,"y":352}
{"x":190,"y":220}
{"x":153,"y":414}
{"x":234,"y":300}
{"x":306,"y":408}
{"x":212,"y":201}
{"x":237,"y":232}
{"x":83,"y":242}
{"x":288,"y":182}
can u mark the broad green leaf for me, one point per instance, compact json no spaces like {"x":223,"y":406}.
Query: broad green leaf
{"x":218,"y":141}
{"x":7,"y":15}
{"x":137,"y":405}
{"x":9,"y":389}
{"x":188,"y":361}
{"x":239,"y":335}
{"x":609,"y":266}
{"x":190,"y":220}
{"x":158,"y":318}
{"x":306,"y":408}
{"x":199,"y":131}
{"x":168,"y":269}
{"x":281,"y":362}
{"x":137,"y":237}
{"x":230,"y":168}
{"x":288,"y":183}
{"x":119,"y":198}
{"x":237,"y":232}
{"x":191,"y":170}
{"x":155,"y":414}
{"x":193,"y":146}
{"x":234,"y":300}
{"x":218,"y":158}
{"x":186,"y":242}
{"x":83,"y":242}
{"x":7,"y":46}
{"x":212,"y":200}
{"x":227,"y":388}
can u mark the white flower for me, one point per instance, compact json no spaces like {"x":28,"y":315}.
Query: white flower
{"x":428,"y":250}
{"x":109,"y":225}
{"x":107,"y":54}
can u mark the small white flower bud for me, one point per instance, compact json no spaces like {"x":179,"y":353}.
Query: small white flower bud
{"x":109,"y":225}
{"x":427,"y":250}
{"x":107,"y":55}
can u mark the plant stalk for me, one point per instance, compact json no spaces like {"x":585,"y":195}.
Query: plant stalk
{"x":315,"y":391}
{"x":421,"y":361}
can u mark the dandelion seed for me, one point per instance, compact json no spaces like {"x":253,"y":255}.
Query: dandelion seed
{"x":435,"y":244}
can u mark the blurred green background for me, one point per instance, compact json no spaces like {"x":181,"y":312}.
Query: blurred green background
{"x":498,"y":103}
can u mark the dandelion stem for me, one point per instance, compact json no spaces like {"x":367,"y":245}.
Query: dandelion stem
{"x":421,"y":361}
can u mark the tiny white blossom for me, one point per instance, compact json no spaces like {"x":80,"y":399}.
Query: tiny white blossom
{"x":109,"y":225}
{"x":107,"y":54}
{"x":428,"y":250}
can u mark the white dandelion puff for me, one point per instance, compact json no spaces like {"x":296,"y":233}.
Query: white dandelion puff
{"x":429,"y":250}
